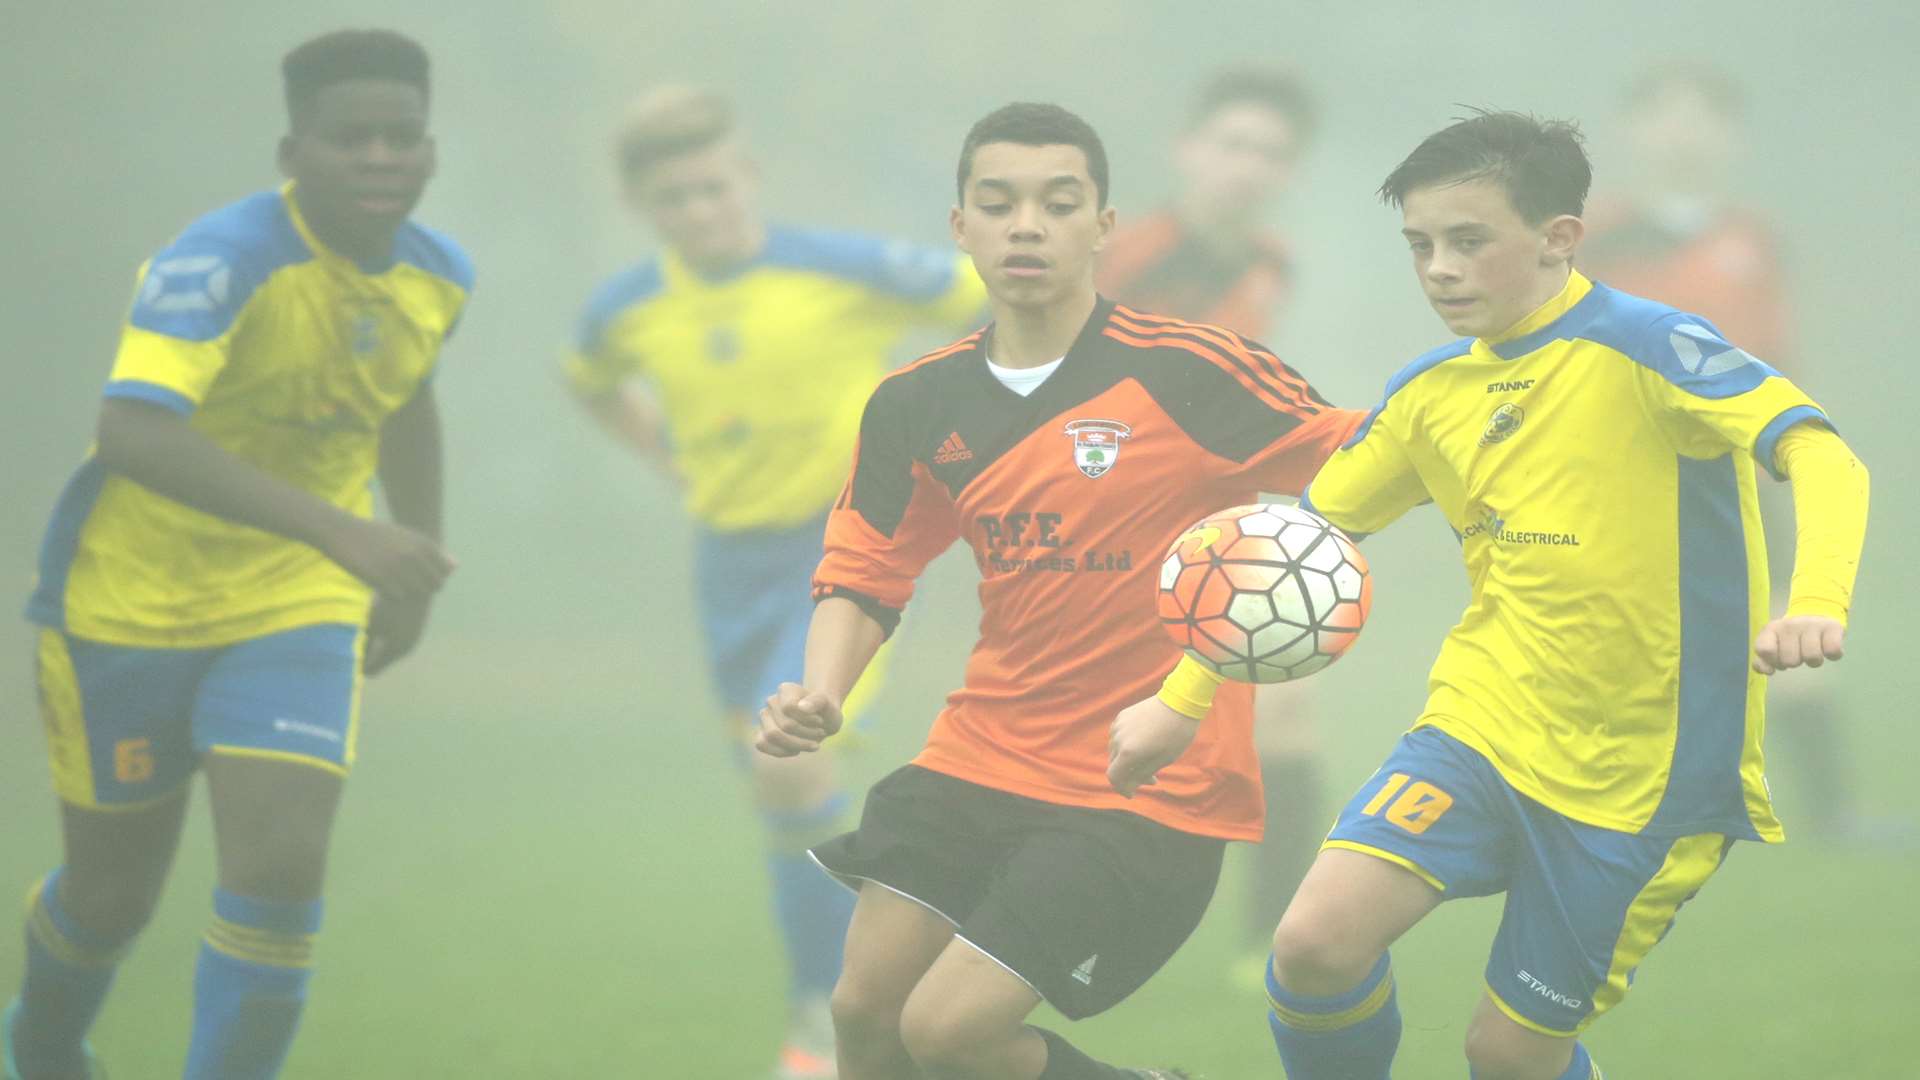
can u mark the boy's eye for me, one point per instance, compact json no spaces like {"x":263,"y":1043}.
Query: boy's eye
{"x":1063,"y":209}
{"x":994,"y":208}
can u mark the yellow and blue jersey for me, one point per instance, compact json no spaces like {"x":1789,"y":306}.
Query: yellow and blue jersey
{"x":763,"y":374}
{"x":1597,"y":462}
{"x":285,"y":354}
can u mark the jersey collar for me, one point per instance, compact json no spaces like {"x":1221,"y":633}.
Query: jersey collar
{"x":312,"y":239}
{"x":1538,"y":327}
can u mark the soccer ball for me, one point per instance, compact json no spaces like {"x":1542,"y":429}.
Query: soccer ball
{"x":1264,"y":593}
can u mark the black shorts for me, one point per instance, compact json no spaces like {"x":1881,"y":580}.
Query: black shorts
{"x":1084,"y":905}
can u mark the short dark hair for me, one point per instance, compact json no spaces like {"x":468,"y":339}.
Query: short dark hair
{"x":1721,"y":91}
{"x":669,"y":121}
{"x":1269,"y":87}
{"x":1027,"y":123}
{"x":350,"y":54}
{"x":1541,"y":163}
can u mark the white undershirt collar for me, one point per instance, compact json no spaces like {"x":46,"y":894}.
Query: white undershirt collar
{"x":1024,"y":381}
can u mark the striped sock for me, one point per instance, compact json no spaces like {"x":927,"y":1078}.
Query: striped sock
{"x":250,"y":985}
{"x":1350,"y":1036}
{"x":813,"y":909}
{"x":69,"y":970}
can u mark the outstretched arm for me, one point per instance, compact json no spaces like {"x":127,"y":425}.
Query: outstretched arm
{"x":1830,"y":490}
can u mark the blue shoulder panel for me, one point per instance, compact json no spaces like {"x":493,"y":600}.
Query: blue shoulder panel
{"x":197,"y":284}
{"x":894,"y":267}
{"x":435,"y":252}
{"x":634,"y":285}
{"x":1687,"y":350}
{"x":1421,"y":365}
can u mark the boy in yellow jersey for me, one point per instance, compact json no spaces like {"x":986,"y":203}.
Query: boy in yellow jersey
{"x":738,"y":360}
{"x":212,"y":586}
{"x":1591,"y":740}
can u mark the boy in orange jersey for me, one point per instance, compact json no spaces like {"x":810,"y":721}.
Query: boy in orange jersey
{"x":1068,"y":443}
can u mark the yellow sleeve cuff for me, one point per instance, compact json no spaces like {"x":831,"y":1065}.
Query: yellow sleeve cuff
{"x":1189,"y":688}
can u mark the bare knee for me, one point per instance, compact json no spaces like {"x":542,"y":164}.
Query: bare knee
{"x":949,"y":1044}
{"x":1498,"y":1049}
{"x":114,"y":905}
{"x":1318,"y":960}
{"x":863,"y":1016}
{"x":284,"y":863}
{"x":273,"y":822}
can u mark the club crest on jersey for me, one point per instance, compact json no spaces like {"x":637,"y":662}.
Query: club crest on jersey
{"x":1502,"y":424}
{"x":366,"y":334}
{"x":1096,"y":444}
{"x":723,"y":344}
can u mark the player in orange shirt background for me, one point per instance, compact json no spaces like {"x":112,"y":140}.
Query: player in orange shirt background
{"x":1209,"y":255}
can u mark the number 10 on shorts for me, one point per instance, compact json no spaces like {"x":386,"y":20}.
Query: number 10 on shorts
{"x":1419,"y":805}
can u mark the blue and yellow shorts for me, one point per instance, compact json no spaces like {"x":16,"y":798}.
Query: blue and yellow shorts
{"x":755,"y":595}
{"x":1584,"y":904}
{"x":126,"y":727}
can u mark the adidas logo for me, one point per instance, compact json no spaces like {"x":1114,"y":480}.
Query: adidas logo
{"x":1084,"y":973}
{"x":954,"y":449}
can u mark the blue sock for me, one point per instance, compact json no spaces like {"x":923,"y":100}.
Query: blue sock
{"x":1351,"y":1036}
{"x":250,"y":985}
{"x":69,"y":971}
{"x":812,"y":907}
{"x":1580,"y":1068}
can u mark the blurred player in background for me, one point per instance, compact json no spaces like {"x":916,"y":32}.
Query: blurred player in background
{"x":1068,"y":444}
{"x":207,"y":579}
{"x":1210,"y":256}
{"x":1591,"y":744}
{"x":736,"y":361}
{"x":1683,"y":238}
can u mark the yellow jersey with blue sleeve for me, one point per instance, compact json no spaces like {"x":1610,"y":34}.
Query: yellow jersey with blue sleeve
{"x":762,"y":374}
{"x":285,"y":354}
{"x":1597,"y":463}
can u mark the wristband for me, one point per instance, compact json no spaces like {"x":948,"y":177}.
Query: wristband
{"x":1189,"y":689}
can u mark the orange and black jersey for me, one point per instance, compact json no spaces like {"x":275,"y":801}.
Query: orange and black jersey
{"x":1069,"y":498}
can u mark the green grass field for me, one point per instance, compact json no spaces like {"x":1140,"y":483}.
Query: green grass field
{"x":545,"y":868}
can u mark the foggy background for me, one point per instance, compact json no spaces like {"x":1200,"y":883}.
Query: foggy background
{"x":558,"y":704}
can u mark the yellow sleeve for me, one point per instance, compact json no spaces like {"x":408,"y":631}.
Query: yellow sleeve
{"x":1369,"y":481}
{"x":596,"y":374}
{"x":1189,"y":688}
{"x":599,"y":362}
{"x":1830,"y":518}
